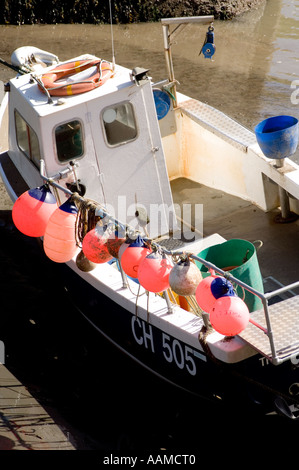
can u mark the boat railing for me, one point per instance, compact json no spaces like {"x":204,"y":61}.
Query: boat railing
{"x":264,"y":297}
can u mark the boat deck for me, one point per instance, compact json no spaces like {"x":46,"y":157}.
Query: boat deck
{"x":231,"y":217}
{"x":278,"y":258}
{"x":285,"y":327}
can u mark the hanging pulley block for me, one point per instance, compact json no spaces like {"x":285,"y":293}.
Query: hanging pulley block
{"x":208,"y":49}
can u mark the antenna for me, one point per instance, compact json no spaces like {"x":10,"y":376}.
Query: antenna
{"x":112,"y":40}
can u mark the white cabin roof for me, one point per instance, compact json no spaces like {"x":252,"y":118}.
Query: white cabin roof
{"x":39,"y":101}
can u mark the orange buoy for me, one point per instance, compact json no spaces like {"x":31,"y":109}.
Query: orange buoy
{"x":133,"y":255}
{"x":59,"y":239}
{"x":32,"y":211}
{"x":94,"y":245}
{"x":229,"y":315}
{"x":153,"y":272}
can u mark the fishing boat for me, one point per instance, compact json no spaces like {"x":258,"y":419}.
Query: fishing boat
{"x":175,"y":227}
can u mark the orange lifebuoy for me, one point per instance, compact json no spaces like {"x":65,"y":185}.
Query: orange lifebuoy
{"x":101,"y":74}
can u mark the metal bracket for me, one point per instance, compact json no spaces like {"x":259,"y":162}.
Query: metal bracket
{"x":180,"y":22}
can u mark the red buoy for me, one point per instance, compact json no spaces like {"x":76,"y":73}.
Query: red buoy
{"x":153,"y":272}
{"x":133,"y":255}
{"x":114,"y":241}
{"x":59,"y":240}
{"x":123,"y":247}
{"x":230,"y":315}
{"x":94,"y":245}
{"x":32,"y":211}
{"x":203,"y":294}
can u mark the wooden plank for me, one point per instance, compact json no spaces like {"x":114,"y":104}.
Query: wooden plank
{"x":24,"y":423}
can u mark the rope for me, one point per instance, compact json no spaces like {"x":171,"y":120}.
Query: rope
{"x":86,"y":218}
{"x":22,"y":70}
{"x":77,"y":82}
{"x":202,"y":338}
{"x":70,"y":71}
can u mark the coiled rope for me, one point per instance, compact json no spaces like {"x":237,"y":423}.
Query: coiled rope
{"x":87,"y":217}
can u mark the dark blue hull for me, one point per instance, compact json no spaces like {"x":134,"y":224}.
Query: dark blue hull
{"x":254,"y":380}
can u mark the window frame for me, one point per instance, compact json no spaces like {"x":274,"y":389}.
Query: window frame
{"x":29,"y":133}
{"x":123,"y":142}
{"x":74,"y":119}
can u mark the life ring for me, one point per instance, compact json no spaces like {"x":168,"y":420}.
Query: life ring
{"x":50,"y":80}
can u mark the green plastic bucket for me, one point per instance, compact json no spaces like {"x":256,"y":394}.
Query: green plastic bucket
{"x":239,"y":258}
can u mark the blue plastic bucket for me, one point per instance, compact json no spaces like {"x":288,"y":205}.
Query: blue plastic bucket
{"x":162,"y":103}
{"x":278,"y":136}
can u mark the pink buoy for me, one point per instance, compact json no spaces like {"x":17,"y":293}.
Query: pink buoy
{"x":32,"y":211}
{"x":94,"y":245}
{"x":153,"y":272}
{"x":59,"y":240}
{"x":230,"y":315}
{"x":133,"y":255}
{"x":203,"y":294}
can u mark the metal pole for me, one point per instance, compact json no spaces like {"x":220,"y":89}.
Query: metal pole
{"x":182,"y":21}
{"x":269,"y":330}
{"x":169,"y":63}
{"x":168,"y":303}
{"x":284,"y":203}
{"x":286,"y":215}
{"x":283,"y":196}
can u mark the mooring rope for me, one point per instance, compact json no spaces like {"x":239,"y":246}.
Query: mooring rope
{"x":86,"y":217}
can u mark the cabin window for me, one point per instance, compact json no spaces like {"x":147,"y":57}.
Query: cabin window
{"x":119,"y":123}
{"x":27,"y":140}
{"x":69,"y":141}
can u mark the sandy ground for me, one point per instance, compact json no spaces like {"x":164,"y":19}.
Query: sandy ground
{"x":5,"y":201}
